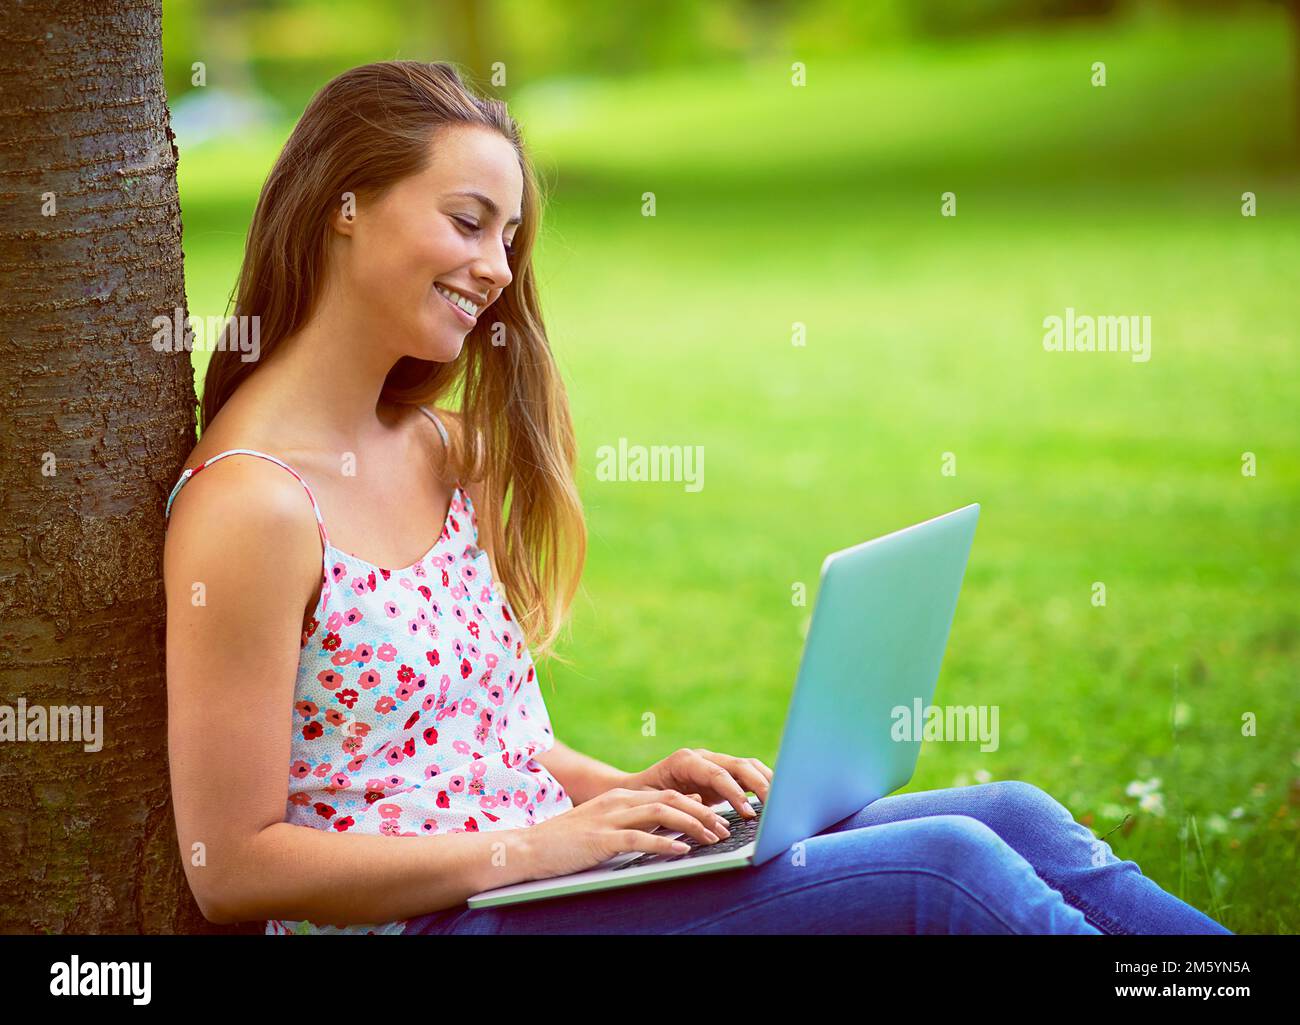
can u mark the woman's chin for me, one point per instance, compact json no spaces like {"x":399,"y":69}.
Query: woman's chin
{"x":441,"y":341}
{"x":442,"y":347}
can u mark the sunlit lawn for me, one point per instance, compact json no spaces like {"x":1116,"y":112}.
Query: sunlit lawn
{"x":820,"y":205}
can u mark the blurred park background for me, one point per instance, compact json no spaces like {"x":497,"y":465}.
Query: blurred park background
{"x":820,"y":204}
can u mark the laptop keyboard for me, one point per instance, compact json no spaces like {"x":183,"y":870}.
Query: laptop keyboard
{"x":743,"y":831}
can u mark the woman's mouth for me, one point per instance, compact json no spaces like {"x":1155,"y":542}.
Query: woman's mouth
{"x":466,"y":309}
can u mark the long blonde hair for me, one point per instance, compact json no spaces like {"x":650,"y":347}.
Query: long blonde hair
{"x":365,"y":130}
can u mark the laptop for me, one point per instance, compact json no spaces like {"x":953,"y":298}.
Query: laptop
{"x":879,"y":628}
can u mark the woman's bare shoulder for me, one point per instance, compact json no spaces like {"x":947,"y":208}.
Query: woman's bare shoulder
{"x":241,"y":497}
{"x":241,"y":494}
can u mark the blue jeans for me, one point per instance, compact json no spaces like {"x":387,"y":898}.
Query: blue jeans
{"x":998,"y":858}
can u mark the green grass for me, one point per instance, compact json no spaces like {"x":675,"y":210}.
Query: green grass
{"x":821,"y":205}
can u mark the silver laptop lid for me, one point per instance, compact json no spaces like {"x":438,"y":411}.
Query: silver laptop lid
{"x":879,"y":628}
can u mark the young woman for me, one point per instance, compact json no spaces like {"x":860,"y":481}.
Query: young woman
{"x":358,"y":741}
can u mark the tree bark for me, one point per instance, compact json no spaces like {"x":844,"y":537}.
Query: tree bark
{"x":94,"y":426}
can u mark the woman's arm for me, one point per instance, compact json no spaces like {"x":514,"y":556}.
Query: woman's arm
{"x":244,"y":531}
{"x":582,"y":776}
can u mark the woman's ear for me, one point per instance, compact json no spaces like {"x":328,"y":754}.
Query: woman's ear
{"x":345,"y":216}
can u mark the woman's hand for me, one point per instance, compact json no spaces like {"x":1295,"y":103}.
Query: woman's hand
{"x":714,"y":777}
{"x":614,"y":822}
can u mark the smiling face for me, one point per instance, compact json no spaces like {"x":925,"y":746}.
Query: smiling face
{"x":428,"y":257}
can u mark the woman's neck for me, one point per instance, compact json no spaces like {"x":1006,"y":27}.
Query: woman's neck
{"x":328,"y":384}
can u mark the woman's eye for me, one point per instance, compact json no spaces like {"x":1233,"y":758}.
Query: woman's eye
{"x":472,"y":228}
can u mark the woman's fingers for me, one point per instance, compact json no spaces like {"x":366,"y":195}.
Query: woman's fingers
{"x":664,"y":815}
{"x":748,"y":774}
{"x":722,"y":782}
{"x":761,"y":767}
{"x":673,"y":810}
{"x":637,"y":840}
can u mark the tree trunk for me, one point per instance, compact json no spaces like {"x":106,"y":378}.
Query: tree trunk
{"x":94,"y":425}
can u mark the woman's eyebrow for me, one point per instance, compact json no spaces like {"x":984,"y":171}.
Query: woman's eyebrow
{"x":488,"y":205}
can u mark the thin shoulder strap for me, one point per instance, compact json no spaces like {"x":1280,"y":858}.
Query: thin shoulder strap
{"x":437,"y":423}
{"x":190,"y":472}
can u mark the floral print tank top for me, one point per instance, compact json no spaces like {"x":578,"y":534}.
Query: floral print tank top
{"x":416,"y":709}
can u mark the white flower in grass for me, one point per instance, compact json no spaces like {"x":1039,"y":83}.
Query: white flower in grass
{"x":1148,"y":794}
{"x":983,"y":776}
{"x":1140,"y":788}
{"x":1216,"y":823}
{"x":1237,"y":812}
{"x":1153,"y":803}
{"x":962,"y":780}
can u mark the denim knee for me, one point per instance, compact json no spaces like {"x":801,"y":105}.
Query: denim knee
{"x":967,"y":855}
{"x":1032,"y":820}
{"x":956,"y":845}
{"x":1015,"y":802}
